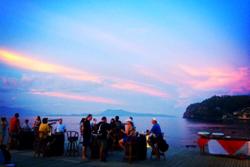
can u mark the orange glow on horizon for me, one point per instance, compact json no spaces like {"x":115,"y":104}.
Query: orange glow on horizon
{"x":23,"y":62}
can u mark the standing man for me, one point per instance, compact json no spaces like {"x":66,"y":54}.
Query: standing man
{"x":14,"y":130}
{"x":60,"y":127}
{"x":59,"y":133}
{"x":102,"y":138}
{"x":86,"y":136}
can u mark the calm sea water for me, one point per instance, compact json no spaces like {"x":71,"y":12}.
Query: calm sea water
{"x":177,"y":131}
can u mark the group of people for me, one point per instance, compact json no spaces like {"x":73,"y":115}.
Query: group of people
{"x":114,"y":134}
{"x":10,"y":131}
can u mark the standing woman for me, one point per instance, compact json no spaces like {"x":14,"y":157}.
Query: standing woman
{"x":36,"y":125}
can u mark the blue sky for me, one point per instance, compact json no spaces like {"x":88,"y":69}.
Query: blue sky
{"x":141,"y":56}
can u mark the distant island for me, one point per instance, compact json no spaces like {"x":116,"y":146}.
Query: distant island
{"x":10,"y":111}
{"x":120,"y":112}
{"x":218,"y":108}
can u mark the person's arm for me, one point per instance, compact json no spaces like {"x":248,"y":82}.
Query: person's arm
{"x":152,"y":129}
{"x":65,"y":128}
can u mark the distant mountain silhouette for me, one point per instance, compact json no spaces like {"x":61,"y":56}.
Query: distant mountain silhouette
{"x":120,"y":112}
{"x":220,"y":108}
{"x":10,"y":111}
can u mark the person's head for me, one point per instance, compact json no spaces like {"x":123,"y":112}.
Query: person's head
{"x":45,"y":120}
{"x":16,"y":115}
{"x":89,"y":117}
{"x":26,"y":121}
{"x":112,"y":120}
{"x":131,"y":118}
{"x":94,"y":120}
{"x":104,"y":119}
{"x":117,"y":118}
{"x":129,"y":122}
{"x":154,"y":120}
{"x":3,"y":119}
{"x":147,"y":131}
{"x":60,"y":121}
{"x":38,"y":118}
{"x":83,"y":119}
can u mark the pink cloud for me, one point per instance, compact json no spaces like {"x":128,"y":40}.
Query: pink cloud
{"x":69,"y":96}
{"x":139,"y":88}
{"x":189,"y":80}
{"x":153,"y":75}
{"x":235,"y":80}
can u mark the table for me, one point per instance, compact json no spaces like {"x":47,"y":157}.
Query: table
{"x":224,"y":145}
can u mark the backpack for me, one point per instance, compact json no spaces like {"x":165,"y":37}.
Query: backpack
{"x":163,"y":145}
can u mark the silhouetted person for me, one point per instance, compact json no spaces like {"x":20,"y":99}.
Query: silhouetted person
{"x":81,"y":125}
{"x":156,"y":134}
{"x":44,"y":129}
{"x":36,"y":125}
{"x":4,"y":125}
{"x":59,"y":133}
{"x":102,"y":134}
{"x":14,"y":130}
{"x":60,"y":127}
{"x":26,"y":127}
{"x":86,"y":136}
{"x":119,"y":126}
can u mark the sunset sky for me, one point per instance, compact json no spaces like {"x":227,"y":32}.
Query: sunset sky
{"x":144,"y":56}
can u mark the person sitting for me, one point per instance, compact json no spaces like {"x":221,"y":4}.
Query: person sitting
{"x":156,"y":129}
{"x":128,"y":132}
{"x":155,"y":134}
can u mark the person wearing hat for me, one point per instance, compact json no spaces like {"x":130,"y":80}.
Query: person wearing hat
{"x":156,"y":134}
{"x":156,"y":129}
{"x":129,"y":131}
